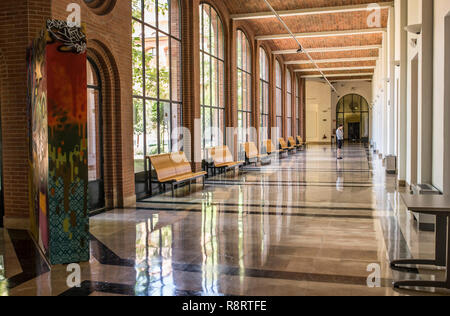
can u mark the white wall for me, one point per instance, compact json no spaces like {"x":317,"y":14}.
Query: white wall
{"x":318,"y":112}
{"x":440,"y":139}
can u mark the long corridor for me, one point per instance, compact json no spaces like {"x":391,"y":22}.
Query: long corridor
{"x":304,"y":225}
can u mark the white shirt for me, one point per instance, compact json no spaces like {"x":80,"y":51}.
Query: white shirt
{"x":340,"y":134}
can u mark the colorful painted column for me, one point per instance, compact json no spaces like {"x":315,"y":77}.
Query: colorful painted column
{"x":57,"y":103}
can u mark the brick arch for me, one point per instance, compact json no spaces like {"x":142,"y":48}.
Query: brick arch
{"x":112,"y":123}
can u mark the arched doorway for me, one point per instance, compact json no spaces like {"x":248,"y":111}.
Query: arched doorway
{"x":95,"y":138}
{"x":352,"y":111}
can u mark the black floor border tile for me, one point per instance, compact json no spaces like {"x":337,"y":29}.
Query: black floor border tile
{"x":158,"y":209}
{"x":30,"y":258}
{"x":261,"y":205}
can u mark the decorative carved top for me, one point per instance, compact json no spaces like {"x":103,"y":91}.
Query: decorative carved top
{"x":72,"y":37}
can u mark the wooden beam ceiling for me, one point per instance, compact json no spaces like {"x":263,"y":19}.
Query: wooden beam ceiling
{"x":310,"y":11}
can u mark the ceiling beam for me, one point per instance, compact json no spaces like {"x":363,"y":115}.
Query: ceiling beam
{"x":327,"y":49}
{"x":311,"y":11}
{"x":335,"y":60}
{"x":321,"y":34}
{"x":336,"y":68}
{"x":341,"y":75}
{"x":350,"y":80}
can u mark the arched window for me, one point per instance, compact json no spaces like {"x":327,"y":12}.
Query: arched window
{"x":212,"y":77}
{"x":156,"y":77}
{"x":297,"y":105}
{"x":244,"y":84}
{"x":279,"y":96}
{"x":352,"y":111}
{"x":289,"y":103}
{"x":264,"y":90}
{"x":95,"y":137}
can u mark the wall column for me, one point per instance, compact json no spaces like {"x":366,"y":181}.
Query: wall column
{"x":402,"y":6}
{"x":425,"y":117}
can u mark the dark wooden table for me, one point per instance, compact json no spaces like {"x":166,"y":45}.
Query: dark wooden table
{"x":438,"y":205}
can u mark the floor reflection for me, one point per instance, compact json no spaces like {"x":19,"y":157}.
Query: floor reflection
{"x":305,"y":225}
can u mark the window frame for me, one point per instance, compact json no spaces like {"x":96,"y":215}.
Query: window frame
{"x":246,"y":55}
{"x":279,"y":95}
{"x":148,"y":101}
{"x":220,"y":108}
{"x":289,"y":102}
{"x":264,"y":84}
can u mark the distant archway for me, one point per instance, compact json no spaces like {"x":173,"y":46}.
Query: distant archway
{"x":352,"y":111}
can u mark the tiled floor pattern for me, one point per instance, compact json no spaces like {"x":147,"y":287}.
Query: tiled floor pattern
{"x":304,"y":225}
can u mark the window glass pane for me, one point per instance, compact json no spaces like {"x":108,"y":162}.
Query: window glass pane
{"x":176,"y":80}
{"x":364,"y":105}
{"x":221,"y":78}
{"x":136,"y":7}
{"x":94,"y":150}
{"x":214,"y":82}
{"x":221,"y":38}
{"x":164,"y":66}
{"x":177,"y":123}
{"x":348,"y":100}
{"x":207,"y":79}
{"x":151,"y":116}
{"x":289,"y":105}
{"x":165,"y":128}
{"x":206,"y":29}
{"x":138,"y":118}
{"x":175,"y":18}
{"x":214,"y":33}
{"x":151,"y":66}
{"x":138,"y":79}
{"x":150,"y":12}
{"x":278,"y":75}
{"x":163,"y":15}
{"x":239,"y":90}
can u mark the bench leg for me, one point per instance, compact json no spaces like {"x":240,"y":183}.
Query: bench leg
{"x":203,"y":183}
{"x":173,"y":190}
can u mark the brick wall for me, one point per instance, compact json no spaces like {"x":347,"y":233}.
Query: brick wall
{"x":19,"y":21}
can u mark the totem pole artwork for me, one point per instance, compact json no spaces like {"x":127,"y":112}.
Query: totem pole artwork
{"x":58,"y":173}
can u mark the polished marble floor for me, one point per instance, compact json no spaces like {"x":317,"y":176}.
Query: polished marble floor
{"x":304,"y":225}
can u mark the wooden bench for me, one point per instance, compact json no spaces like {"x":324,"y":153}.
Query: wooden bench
{"x":293,"y":143}
{"x":252,"y":154}
{"x":284,"y":146}
{"x":301,"y":142}
{"x":221,"y":158}
{"x":271,"y":149}
{"x":173,"y":169}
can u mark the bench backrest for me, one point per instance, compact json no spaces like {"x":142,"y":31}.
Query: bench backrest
{"x":292,"y":141}
{"x":251,"y":151}
{"x":299,"y":140}
{"x":170,"y":165}
{"x":283,"y":143}
{"x":270,"y":147}
{"x":220,"y":154}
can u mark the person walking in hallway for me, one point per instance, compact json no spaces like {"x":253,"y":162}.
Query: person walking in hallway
{"x":340,"y":141}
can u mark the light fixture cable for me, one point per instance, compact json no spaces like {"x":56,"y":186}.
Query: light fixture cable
{"x":300,"y":45}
